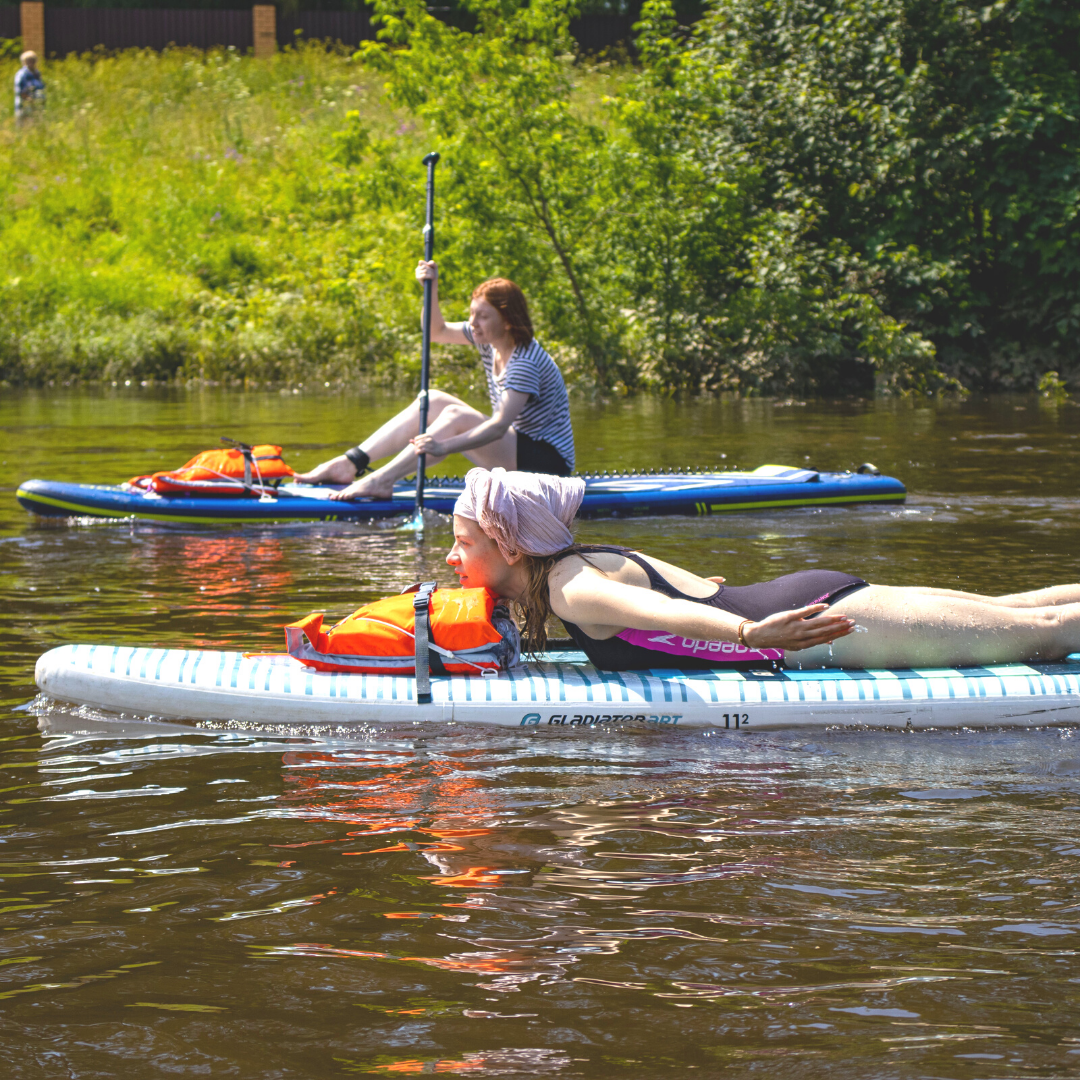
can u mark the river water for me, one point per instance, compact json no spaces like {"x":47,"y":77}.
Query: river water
{"x":245,"y":903}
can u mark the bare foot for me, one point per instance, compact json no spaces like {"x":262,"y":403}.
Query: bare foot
{"x":372,"y":486}
{"x":339,"y":470}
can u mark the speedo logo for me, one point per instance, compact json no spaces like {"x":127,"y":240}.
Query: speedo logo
{"x":673,"y":641}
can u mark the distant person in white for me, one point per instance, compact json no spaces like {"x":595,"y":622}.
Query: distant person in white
{"x":29,"y":87}
{"x":529,"y":429}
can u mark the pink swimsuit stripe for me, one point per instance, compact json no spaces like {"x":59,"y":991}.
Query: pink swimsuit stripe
{"x":675,"y":645}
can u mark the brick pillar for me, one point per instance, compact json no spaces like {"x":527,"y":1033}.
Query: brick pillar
{"x":264,"y":27}
{"x":32,"y":16}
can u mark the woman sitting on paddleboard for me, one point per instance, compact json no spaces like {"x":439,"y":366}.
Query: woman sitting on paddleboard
{"x":529,"y":429}
{"x":629,"y":611}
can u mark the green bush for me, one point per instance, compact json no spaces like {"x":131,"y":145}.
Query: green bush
{"x":936,"y":141}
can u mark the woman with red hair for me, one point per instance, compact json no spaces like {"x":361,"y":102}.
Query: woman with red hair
{"x":529,"y":427}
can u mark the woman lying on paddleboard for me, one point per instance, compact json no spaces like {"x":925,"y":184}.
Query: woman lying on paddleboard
{"x":629,"y":611}
{"x":528,"y":430}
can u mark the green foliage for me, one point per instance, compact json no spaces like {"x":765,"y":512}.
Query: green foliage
{"x":737,"y":289}
{"x":801,"y":195}
{"x":523,"y":199}
{"x":1053,"y":387}
{"x":635,"y":223}
{"x":938,"y":141}
{"x":177,"y":215}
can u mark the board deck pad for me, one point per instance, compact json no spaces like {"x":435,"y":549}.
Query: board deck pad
{"x":562,"y":690}
{"x":619,"y":495}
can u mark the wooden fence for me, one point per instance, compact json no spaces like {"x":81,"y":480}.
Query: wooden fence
{"x":10,"y":24}
{"x":348,"y":27}
{"x":58,"y":31}
{"x":76,"y":30}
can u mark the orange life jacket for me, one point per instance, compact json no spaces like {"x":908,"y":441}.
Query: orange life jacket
{"x":468,"y":631}
{"x":221,"y":473}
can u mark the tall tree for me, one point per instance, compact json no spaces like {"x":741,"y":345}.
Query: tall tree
{"x":518,"y":153}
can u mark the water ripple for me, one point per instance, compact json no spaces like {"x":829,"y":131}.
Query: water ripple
{"x":236,"y":900}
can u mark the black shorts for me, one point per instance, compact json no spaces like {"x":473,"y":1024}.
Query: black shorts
{"x":797,"y":590}
{"x":536,"y":455}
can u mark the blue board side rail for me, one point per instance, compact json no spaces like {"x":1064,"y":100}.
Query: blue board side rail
{"x":606,"y":495}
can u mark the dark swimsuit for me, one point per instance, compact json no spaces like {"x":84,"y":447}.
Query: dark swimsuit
{"x":755,"y":602}
{"x":538,"y":455}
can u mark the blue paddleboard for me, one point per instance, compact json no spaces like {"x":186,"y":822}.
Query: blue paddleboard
{"x":618,"y":495}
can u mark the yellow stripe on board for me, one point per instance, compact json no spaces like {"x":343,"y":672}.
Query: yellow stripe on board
{"x":85,"y":511}
{"x":33,"y":496}
{"x":899,"y":497}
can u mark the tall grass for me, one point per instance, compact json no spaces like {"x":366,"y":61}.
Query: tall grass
{"x":185,"y":215}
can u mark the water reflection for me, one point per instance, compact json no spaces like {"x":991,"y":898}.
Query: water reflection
{"x":424,"y":899}
{"x":222,"y":567}
{"x":807,"y":892}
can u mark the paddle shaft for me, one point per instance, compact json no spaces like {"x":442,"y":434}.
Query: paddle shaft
{"x":425,"y":348}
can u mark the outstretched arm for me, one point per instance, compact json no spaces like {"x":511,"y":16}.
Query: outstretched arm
{"x":442,"y":332}
{"x":584,"y":596}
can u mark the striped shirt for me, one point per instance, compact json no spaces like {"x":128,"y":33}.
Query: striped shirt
{"x":531,"y":371}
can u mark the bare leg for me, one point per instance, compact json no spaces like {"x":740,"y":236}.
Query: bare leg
{"x":921,"y":628}
{"x":453,"y":420}
{"x":1050,"y":597}
{"x":391,"y":438}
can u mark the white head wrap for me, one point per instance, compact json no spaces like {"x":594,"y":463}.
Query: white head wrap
{"x":527,"y":513}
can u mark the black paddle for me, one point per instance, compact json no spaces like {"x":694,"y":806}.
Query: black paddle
{"x":425,"y":349}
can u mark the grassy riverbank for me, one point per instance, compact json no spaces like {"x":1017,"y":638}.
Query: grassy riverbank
{"x":183,"y":216}
{"x":208,"y":216}
{"x":808,"y":197}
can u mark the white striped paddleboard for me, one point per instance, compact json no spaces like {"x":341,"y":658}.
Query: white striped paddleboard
{"x":563,"y":690}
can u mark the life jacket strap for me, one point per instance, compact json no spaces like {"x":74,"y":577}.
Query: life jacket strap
{"x":248,"y":452}
{"x":422,"y":639}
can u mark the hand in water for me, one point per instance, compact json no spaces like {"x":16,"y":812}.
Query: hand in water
{"x":799,"y":629}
